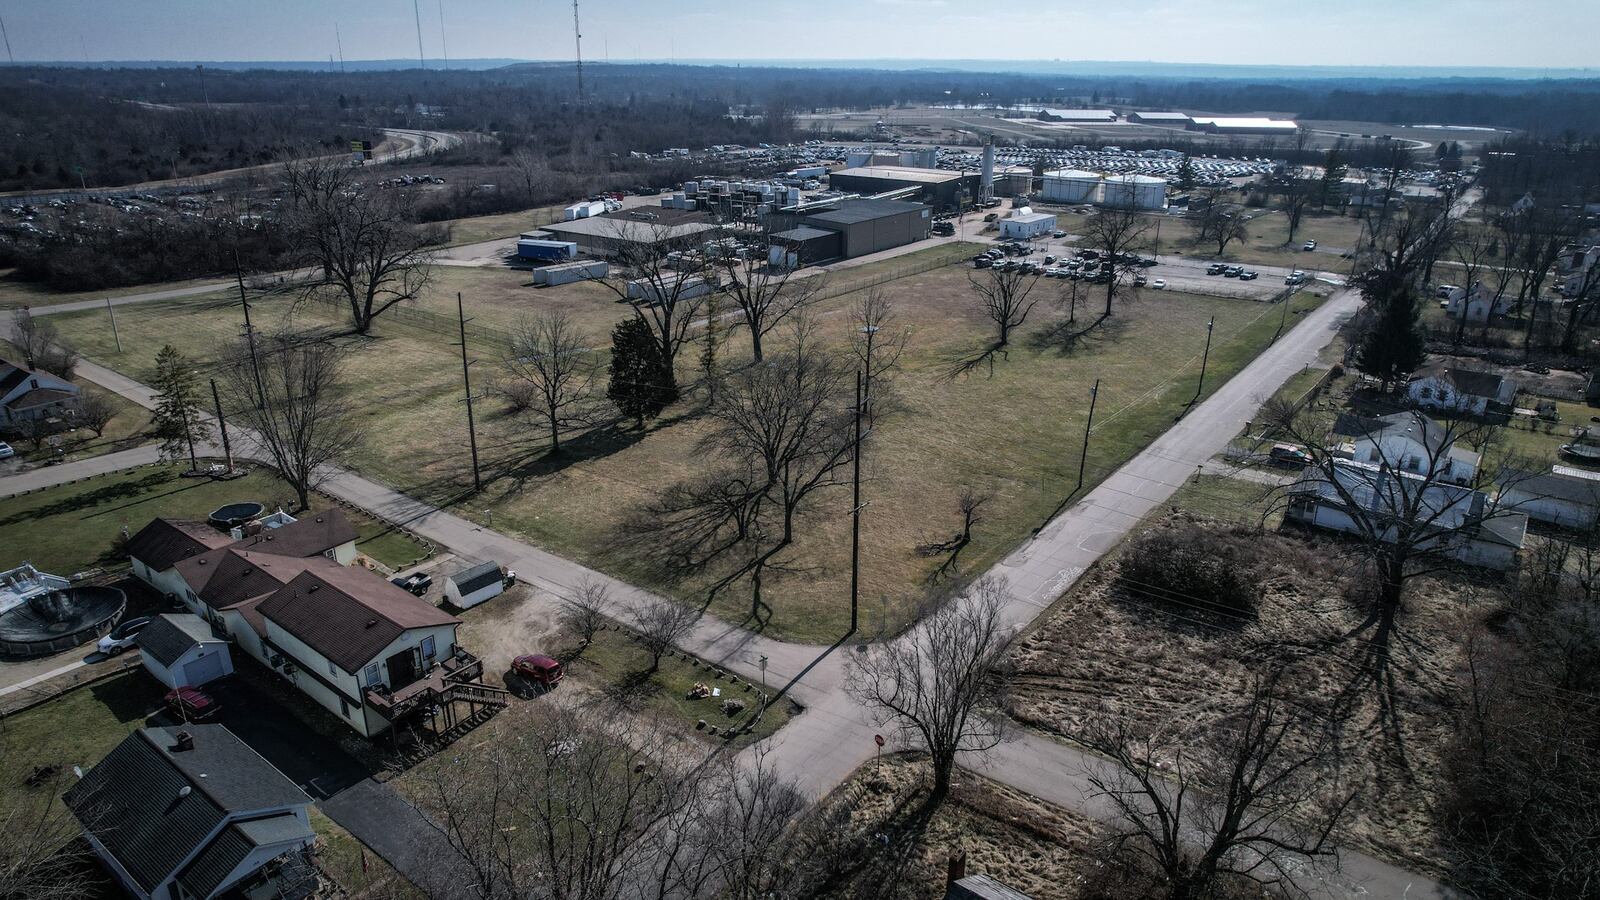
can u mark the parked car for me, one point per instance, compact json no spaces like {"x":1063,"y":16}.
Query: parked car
{"x":123,"y":636}
{"x":1289,"y":453}
{"x":1059,"y":235}
{"x":1309,"y":245}
{"x":5,"y":450}
{"x":1216,"y":269}
{"x":1249,"y":275}
{"x":982,"y":262}
{"x":539,"y":669}
{"x":1159,"y":284}
{"x":417,"y":583}
{"x":191,"y":704}
{"x":1140,"y":281}
{"x":991,"y":217}
{"x":1049,"y":260}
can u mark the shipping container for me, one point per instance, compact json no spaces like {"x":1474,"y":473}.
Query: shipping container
{"x":546,"y":251}
{"x":567,"y":273}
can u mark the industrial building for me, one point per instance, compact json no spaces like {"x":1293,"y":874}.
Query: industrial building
{"x":1118,"y":191}
{"x":1026,"y":224}
{"x":847,"y":228}
{"x":733,"y":201}
{"x":941,"y":188}
{"x":1076,"y":115}
{"x":1248,"y":125}
{"x":922,"y":157}
{"x":1160,"y":118}
{"x":603,"y":235}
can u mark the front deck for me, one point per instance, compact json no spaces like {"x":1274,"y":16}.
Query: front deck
{"x":454,"y":678}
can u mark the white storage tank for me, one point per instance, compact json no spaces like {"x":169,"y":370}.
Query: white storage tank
{"x":1135,"y":192}
{"x":1071,"y":186}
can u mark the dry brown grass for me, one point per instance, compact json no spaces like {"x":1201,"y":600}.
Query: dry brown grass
{"x":1111,"y":648}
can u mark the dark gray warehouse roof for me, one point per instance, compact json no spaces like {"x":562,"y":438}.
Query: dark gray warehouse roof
{"x":863,"y":210}
{"x":803,"y":233}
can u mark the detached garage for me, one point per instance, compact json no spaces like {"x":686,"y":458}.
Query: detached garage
{"x":179,"y":649}
{"x":468,"y":588}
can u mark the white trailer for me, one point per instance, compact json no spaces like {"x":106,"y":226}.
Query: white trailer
{"x":567,"y":273}
{"x":690,"y":287}
{"x":584,"y":210}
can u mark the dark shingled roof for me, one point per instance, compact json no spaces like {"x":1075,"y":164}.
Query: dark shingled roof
{"x":235,"y":844}
{"x":1554,"y":486}
{"x":172,"y":634}
{"x":348,"y":614}
{"x":39,"y":397}
{"x":1472,"y":382}
{"x":11,"y":375}
{"x":476,"y":578}
{"x":133,"y":801}
{"x":1417,"y":426}
{"x":227,"y":577}
{"x":313,"y":535}
{"x":163,"y":542}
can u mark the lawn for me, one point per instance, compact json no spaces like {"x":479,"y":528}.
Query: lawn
{"x":474,"y":229}
{"x":1268,"y":243}
{"x":359,"y":871}
{"x":1016,"y":431}
{"x":14,"y":292}
{"x":75,"y":729}
{"x":74,"y":526}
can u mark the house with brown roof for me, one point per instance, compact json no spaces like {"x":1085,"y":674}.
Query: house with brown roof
{"x":28,"y":394}
{"x":364,"y":649}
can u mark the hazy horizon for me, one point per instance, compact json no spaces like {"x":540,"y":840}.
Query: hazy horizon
{"x":1469,"y":35}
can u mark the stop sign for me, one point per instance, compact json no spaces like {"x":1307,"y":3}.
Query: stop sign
{"x":878,"y":739}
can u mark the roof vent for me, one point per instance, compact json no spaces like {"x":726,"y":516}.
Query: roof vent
{"x":313,"y":588}
{"x":372,"y":623}
{"x":184,"y":742}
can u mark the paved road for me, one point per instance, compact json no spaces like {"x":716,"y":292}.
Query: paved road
{"x":834,"y":736}
{"x":49,"y":476}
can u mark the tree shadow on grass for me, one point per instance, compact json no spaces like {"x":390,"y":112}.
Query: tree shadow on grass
{"x":1071,"y":337}
{"x":137,"y":490}
{"x":894,"y":846}
{"x":964,"y":365}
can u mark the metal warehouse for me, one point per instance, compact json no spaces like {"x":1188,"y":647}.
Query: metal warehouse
{"x":601,"y":235}
{"x":1160,"y":118}
{"x":863,"y":225}
{"x":940,"y":187}
{"x":1247,"y":125}
{"x":1078,"y":115}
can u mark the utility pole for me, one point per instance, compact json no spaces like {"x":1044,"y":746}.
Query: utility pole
{"x":417,"y":13}
{"x":339,"y":43}
{"x":112,"y":311}
{"x":444,"y":43}
{"x":249,"y":333}
{"x":466,"y":379}
{"x":577,"y":43}
{"x":1083,"y":460}
{"x":1204,"y":358}
{"x":855,"y":516}
{"x":5,"y":34}
{"x":222,"y":426}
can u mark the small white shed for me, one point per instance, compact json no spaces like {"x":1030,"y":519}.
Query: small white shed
{"x":180,"y":650}
{"x":470,"y":587}
{"x":1027,"y":225}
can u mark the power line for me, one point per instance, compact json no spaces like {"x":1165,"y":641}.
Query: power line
{"x":3,"y":33}
{"x":415,"y":11}
{"x":444,"y":43}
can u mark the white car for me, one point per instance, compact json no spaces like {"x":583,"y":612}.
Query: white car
{"x":5,"y":450}
{"x":125,"y":635}
{"x":1159,"y":284}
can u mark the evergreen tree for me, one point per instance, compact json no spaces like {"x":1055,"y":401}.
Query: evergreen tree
{"x":642,"y":383}
{"x":1186,"y":173}
{"x":1391,"y":343}
{"x":178,"y":419}
{"x":1333,"y":171}
{"x":710,"y":365}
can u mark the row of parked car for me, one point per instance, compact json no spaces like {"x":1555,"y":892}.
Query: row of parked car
{"x":1227,"y":271}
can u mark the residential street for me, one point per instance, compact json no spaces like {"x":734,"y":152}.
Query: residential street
{"x":834,"y":736}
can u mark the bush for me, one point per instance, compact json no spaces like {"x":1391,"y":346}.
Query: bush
{"x":1194,"y":566}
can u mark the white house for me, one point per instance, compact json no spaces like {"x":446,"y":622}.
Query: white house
{"x":1410,"y":442}
{"x":26,"y":394}
{"x":1442,"y":386}
{"x":1367,"y":500}
{"x":181,"y":649}
{"x":191,"y":813}
{"x":156,"y":549}
{"x":1027,"y":224}
{"x":1565,"y":500}
{"x":1478,"y":302}
{"x":472,"y":586}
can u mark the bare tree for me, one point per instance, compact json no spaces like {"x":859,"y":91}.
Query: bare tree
{"x":970,"y":507}
{"x":1255,"y":802}
{"x":876,"y":342}
{"x":550,"y":355}
{"x":766,"y":295}
{"x":42,"y":345}
{"x":1216,"y":220}
{"x":1116,"y":234}
{"x":302,"y":418}
{"x":1471,"y":249}
{"x":95,"y":412}
{"x":584,"y":612}
{"x":659,"y":270}
{"x":661,"y":625}
{"x":1297,"y":198}
{"x":359,"y":236}
{"x":1005,"y":298}
{"x":41,"y":855}
{"x":780,"y":431}
{"x":941,"y":684}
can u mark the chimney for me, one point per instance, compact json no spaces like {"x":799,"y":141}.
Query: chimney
{"x":955,"y":869}
{"x":185,"y":742}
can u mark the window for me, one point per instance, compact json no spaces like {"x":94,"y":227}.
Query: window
{"x":428,"y":647}
{"x":332,"y":669}
{"x":344,"y":707}
{"x":374,"y":676}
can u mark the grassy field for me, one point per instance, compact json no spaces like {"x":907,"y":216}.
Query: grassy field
{"x":73,"y":527}
{"x":16,"y":293}
{"x":1268,"y":243}
{"x":1015,"y":431}
{"x":473,"y":229}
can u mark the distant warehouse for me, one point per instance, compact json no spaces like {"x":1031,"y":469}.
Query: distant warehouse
{"x":1160,"y":118}
{"x":941,"y":188}
{"x":1243,"y":126}
{"x":1076,"y":115}
{"x":655,"y":229}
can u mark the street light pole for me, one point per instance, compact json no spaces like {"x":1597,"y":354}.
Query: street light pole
{"x":855,"y":516}
{"x":1083,"y":460}
{"x":1204,"y":358}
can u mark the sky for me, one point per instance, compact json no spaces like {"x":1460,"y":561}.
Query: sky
{"x":1514,"y":33}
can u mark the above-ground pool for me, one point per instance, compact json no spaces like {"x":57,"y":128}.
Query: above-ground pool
{"x":51,"y":623}
{"x":235,"y":514}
